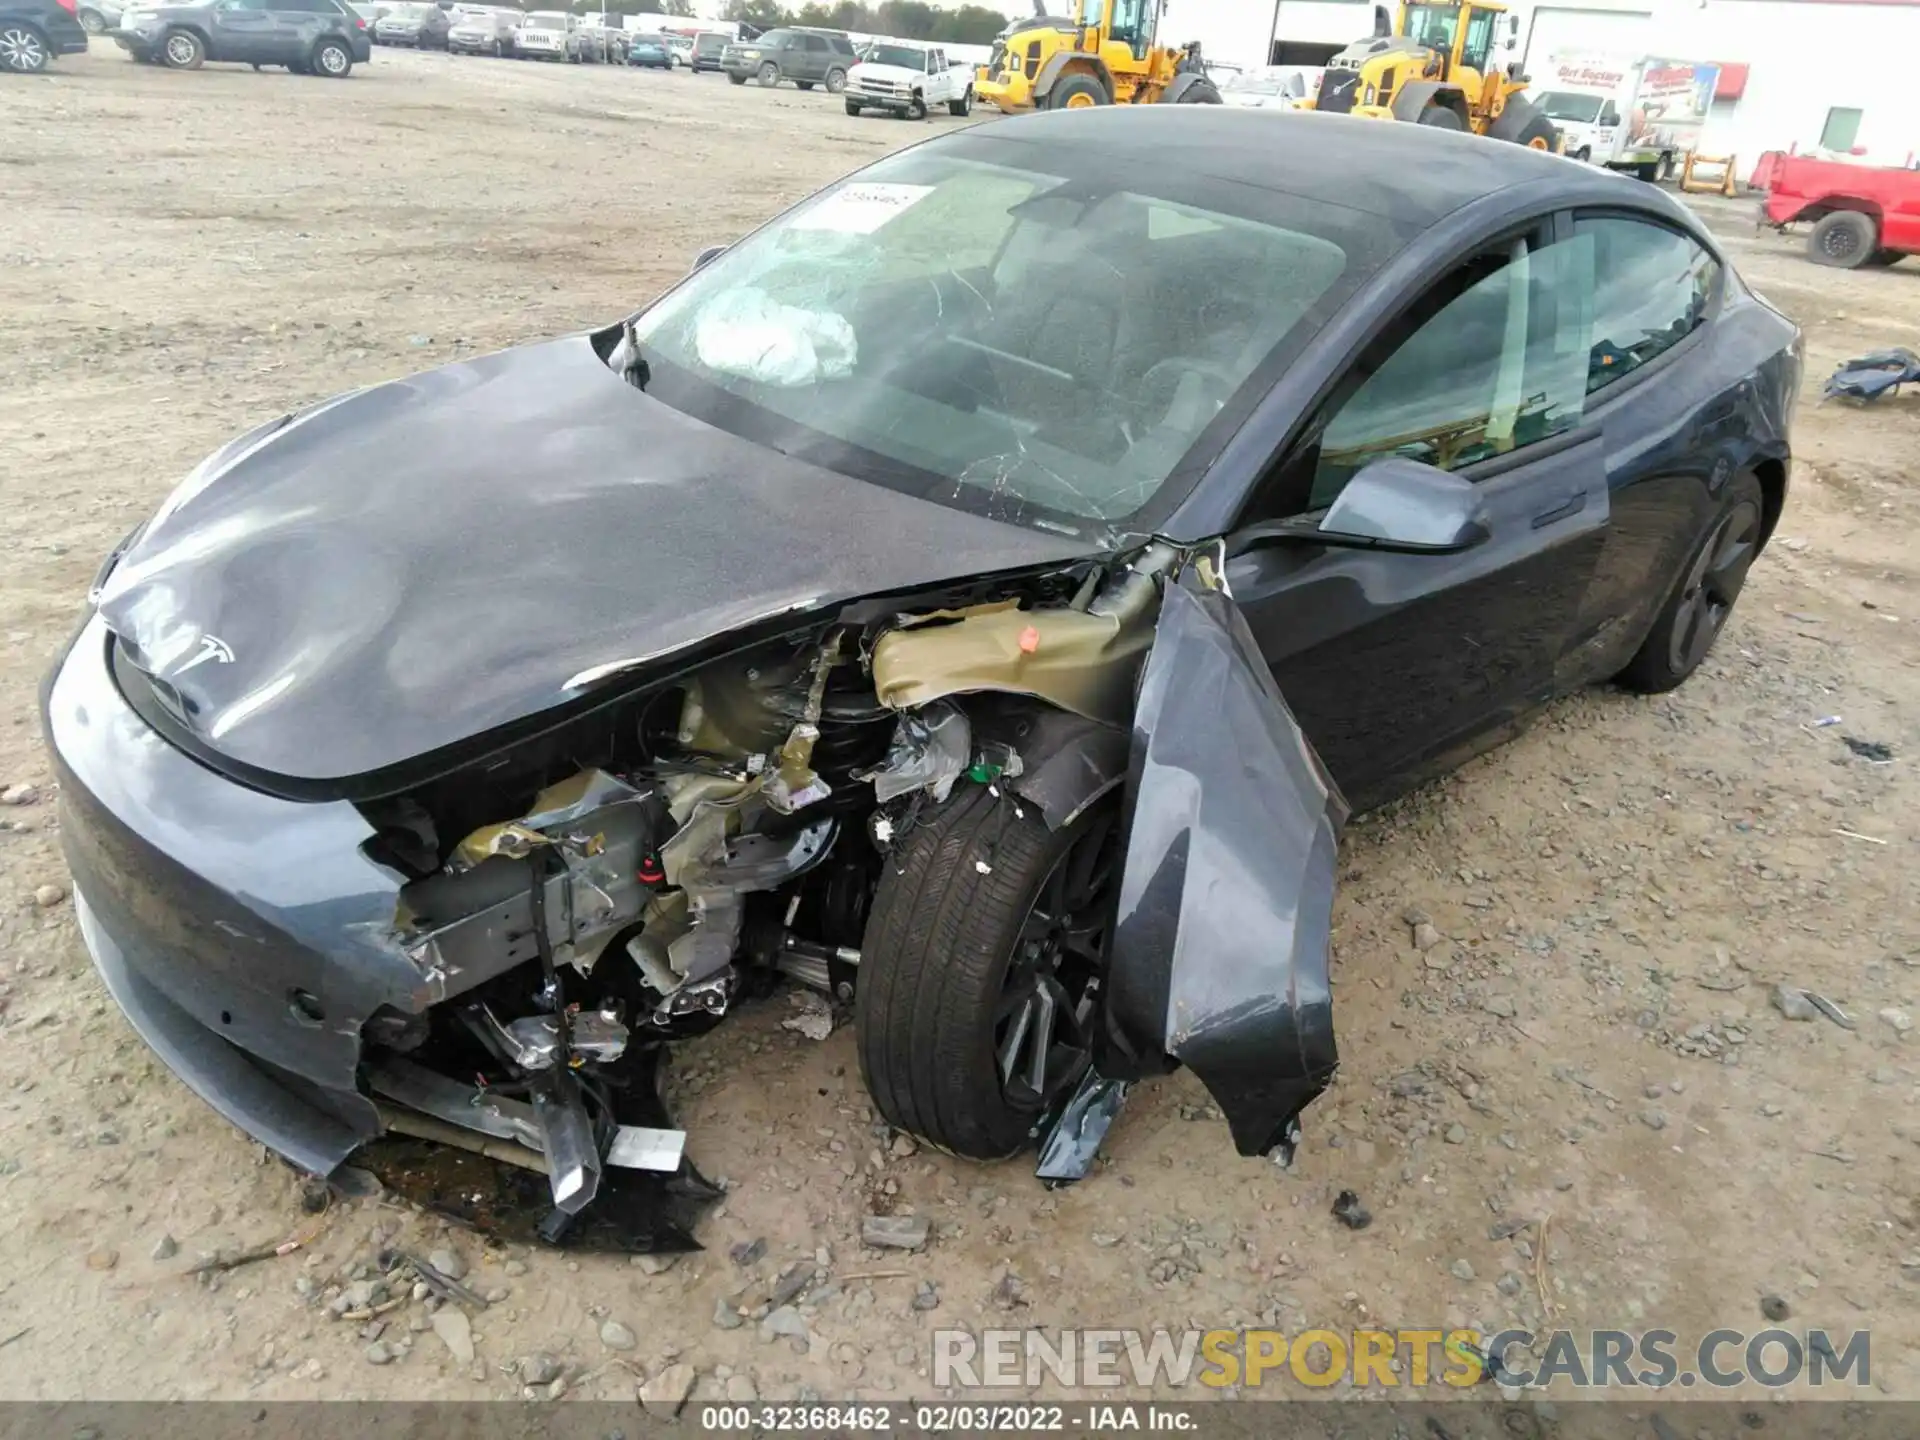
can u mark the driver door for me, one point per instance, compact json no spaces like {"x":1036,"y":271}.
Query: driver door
{"x":1395,"y":663}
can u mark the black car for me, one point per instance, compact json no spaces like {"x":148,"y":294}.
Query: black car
{"x":979,"y":594}
{"x":708,"y":47}
{"x":32,"y":32}
{"x":316,"y":37}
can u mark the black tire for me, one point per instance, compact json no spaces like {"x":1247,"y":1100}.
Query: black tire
{"x":1845,"y":239}
{"x":93,"y":22}
{"x":1539,"y":134}
{"x":1074,"y":91}
{"x":331,"y":59}
{"x":1881,"y":259}
{"x":183,"y":50}
{"x":938,"y":998}
{"x":1439,"y":117}
{"x":1584,"y":154}
{"x":836,"y":82}
{"x":23,"y":49}
{"x":853,"y":108}
{"x":1649,"y":172}
{"x":803,"y":84}
{"x":1200,"y":92}
{"x":962,"y":106}
{"x":917,"y":108}
{"x":768,"y":75}
{"x":1703,"y":596}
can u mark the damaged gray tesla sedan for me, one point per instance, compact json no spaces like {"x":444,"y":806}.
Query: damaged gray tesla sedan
{"x":978,"y":594}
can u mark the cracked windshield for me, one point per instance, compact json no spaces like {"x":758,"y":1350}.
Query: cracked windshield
{"x":1038,"y":347}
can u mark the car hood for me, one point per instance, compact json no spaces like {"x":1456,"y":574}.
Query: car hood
{"x":899,"y":74}
{"x":412,"y":565}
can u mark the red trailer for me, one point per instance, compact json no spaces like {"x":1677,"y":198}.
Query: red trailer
{"x":1861,"y":214}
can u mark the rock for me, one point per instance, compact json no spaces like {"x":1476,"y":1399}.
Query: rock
{"x":450,"y":1323}
{"x":748,"y":1252}
{"x":48,"y":895}
{"x":616,"y":1336}
{"x":666,"y":1392}
{"x":795,"y":1278}
{"x":22,"y":794}
{"x":1792,"y":1003}
{"x":1011,"y":1292}
{"x":1509,"y":1283}
{"x":1415,"y":916}
{"x":1348,"y":1210}
{"x":1426,"y":936}
{"x":895,"y":1232}
{"x":1774,"y":1307}
{"x":1899,"y":1019}
{"x":1456,"y":1134}
{"x":1461,"y":1270}
{"x":927,"y":1297}
{"x":785,"y":1321}
{"x":654,"y":1264}
{"x":741,"y":1390}
{"x":514,"y":1269}
{"x":379,"y":1353}
{"x":448,"y":1263}
{"x":1501,"y":1005}
{"x":495,"y":1295}
{"x":1563,"y":1182}
{"x":903,"y":1146}
{"x":726,"y":1315}
{"x":537,"y":1368}
{"x":102,"y":1259}
{"x":364,"y":1294}
{"x":1653,"y":1119}
{"x":165,"y":1248}
{"x":1653,"y":1091}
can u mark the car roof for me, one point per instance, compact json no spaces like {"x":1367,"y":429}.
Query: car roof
{"x":1410,"y":174}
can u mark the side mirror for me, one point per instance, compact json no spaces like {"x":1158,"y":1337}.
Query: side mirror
{"x":1403,"y":504}
{"x":1382,"y":22}
{"x":708,"y":255}
{"x":1513,"y":25}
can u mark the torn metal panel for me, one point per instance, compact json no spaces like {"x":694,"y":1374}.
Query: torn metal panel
{"x":1065,"y":762}
{"x":558,"y":807}
{"x":1219,"y":956}
{"x":1073,"y":1140}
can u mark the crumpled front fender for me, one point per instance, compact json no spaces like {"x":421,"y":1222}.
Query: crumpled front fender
{"x":1219,"y":953}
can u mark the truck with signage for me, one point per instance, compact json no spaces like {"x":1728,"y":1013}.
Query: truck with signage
{"x":1642,"y":116}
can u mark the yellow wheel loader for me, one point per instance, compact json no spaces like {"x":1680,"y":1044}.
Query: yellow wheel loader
{"x":1103,"y":54}
{"x":1434,"y":65}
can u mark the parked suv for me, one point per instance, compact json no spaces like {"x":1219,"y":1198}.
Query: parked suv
{"x":484,"y":32}
{"x":806,"y":57}
{"x":708,"y":47}
{"x":309,"y":37}
{"x":424,"y":27}
{"x":32,"y":32}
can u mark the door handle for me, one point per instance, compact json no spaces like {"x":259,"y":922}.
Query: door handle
{"x":1573,"y":505}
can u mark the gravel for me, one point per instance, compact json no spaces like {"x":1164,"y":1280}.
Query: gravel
{"x":895,"y":1232}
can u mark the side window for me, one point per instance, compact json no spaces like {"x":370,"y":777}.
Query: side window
{"x":816,"y":43}
{"x":1496,"y":358}
{"x":1652,"y":289}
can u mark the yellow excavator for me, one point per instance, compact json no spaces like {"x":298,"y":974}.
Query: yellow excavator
{"x":1433,"y":65}
{"x":1105,"y":53}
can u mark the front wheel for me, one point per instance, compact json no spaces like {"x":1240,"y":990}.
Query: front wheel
{"x":184,"y":50}
{"x":1439,"y":117}
{"x":1077,"y":92}
{"x":962,"y":106}
{"x":1539,"y":134}
{"x":917,"y":108}
{"x":836,"y":81}
{"x":980,"y":982}
{"x":769,"y":75}
{"x":1697,"y":611}
{"x":93,"y":22}
{"x":853,"y":107}
{"x":332,"y":59}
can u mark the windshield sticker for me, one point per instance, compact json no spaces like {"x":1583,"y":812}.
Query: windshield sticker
{"x":862,"y":209}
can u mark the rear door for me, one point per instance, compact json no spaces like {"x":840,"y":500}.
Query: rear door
{"x":1394,"y":662}
{"x":241,"y":30}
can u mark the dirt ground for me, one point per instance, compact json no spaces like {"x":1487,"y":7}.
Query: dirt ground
{"x":1590,"y":1047}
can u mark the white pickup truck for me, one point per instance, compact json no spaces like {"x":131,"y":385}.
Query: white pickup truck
{"x":902,"y":78}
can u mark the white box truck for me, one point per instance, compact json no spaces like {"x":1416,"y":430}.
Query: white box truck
{"x":1638,"y":115}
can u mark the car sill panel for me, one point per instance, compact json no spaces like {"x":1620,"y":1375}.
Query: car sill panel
{"x":1219,"y":956}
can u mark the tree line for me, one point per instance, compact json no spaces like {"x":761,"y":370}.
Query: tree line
{"x":906,"y":19}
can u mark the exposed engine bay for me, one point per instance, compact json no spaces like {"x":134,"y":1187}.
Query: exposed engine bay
{"x":622,"y":881}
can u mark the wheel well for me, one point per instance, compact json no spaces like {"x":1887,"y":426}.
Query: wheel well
{"x":1834,"y":203}
{"x":1772,"y":475}
{"x":195,"y":31}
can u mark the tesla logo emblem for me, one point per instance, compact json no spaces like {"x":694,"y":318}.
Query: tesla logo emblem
{"x":213,"y":648}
